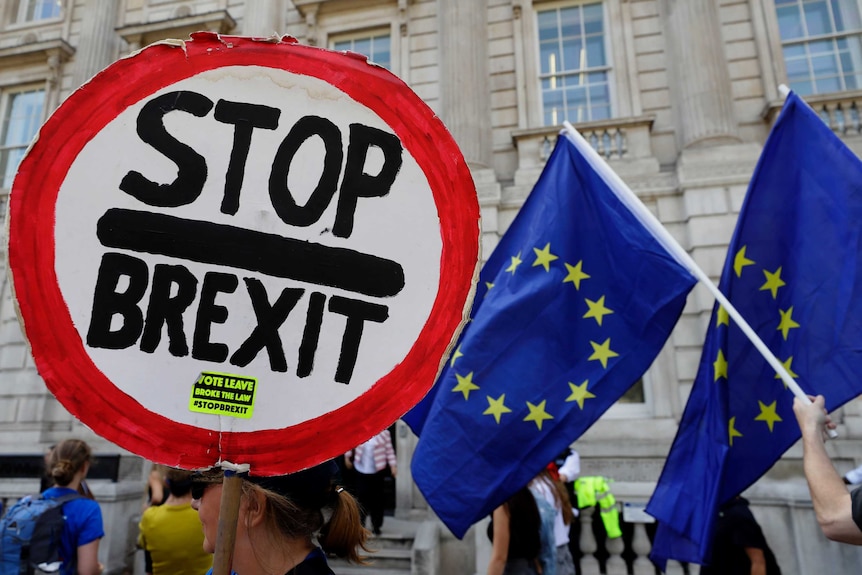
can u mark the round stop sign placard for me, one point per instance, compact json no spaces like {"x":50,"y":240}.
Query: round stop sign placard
{"x":242,"y":250}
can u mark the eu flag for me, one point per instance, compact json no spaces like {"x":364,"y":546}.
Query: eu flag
{"x":571,"y":309}
{"x":793,"y":271}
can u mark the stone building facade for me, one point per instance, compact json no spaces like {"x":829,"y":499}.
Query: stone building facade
{"x":678,"y":95}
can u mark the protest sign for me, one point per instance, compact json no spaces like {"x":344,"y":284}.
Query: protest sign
{"x":246,"y":250}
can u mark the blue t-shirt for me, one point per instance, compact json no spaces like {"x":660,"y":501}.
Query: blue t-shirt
{"x":83,"y":525}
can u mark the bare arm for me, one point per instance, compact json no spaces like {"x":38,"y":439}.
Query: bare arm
{"x":500,"y":550}
{"x":829,"y":496}
{"x":88,"y":559}
{"x":758,"y":560}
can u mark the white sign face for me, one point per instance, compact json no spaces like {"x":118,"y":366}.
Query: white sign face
{"x":400,"y":228}
{"x":236,"y":249}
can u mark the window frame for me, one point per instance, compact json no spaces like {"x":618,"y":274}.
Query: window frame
{"x":563,"y":74}
{"x":20,"y":13}
{"x":619,"y":47}
{"x":807,"y":40}
{"x":6,"y":97}
{"x":363,"y":34}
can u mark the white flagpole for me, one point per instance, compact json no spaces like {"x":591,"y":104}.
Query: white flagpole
{"x":664,"y":237}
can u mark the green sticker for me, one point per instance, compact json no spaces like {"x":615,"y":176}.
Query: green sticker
{"x":223,"y":394}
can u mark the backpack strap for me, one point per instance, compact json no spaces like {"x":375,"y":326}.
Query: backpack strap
{"x":63,"y":498}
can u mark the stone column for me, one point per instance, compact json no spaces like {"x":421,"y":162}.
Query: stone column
{"x":700,"y":78}
{"x":99,"y":43}
{"x":263,"y":18}
{"x":464,"y":77}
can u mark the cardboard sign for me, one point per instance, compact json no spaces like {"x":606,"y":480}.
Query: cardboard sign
{"x":244,"y":250}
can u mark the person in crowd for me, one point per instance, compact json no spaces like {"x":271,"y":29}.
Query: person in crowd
{"x":170,"y":534}
{"x":568,"y":470}
{"x":550,"y":489}
{"x":157,"y":486}
{"x":838,"y":511}
{"x":287,"y":523}
{"x":68,"y":464}
{"x":739,"y":546}
{"x":854,"y":476}
{"x":370,"y":460}
{"x":514,"y":531}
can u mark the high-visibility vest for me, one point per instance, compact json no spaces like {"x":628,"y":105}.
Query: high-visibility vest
{"x":594,"y":489}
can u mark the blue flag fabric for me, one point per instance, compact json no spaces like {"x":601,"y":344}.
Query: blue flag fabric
{"x":793,"y":271}
{"x":571,"y":309}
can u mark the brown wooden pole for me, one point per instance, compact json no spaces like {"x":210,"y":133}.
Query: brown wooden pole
{"x":227,"y":520}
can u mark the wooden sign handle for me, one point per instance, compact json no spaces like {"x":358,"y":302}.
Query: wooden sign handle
{"x":228,"y":515}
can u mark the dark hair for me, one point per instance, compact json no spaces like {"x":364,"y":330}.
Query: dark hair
{"x":308,"y":503}
{"x":525,"y":524}
{"x":179,"y":481}
{"x":66,"y":459}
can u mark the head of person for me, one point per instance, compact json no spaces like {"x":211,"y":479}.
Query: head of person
{"x":179,"y":482}
{"x":69,"y":459}
{"x":298,"y":509}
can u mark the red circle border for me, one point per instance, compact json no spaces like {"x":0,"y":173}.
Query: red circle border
{"x":58,"y":351}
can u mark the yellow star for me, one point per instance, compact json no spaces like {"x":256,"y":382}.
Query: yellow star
{"x":731,"y":430}
{"x":544,"y":257}
{"x":597,"y":309}
{"x":496,"y":407}
{"x":767,"y":414}
{"x":773,"y":282}
{"x":538,"y":413}
{"x":787,"y":363}
{"x":720,"y":366}
{"x":579,"y":393}
{"x":576,"y":274}
{"x":602,"y":352}
{"x":740,"y":261}
{"x":465,"y":385}
{"x":516,"y":261}
{"x":489,"y":285}
{"x":455,"y":356}
{"x":787,"y":322}
{"x":722,"y":317}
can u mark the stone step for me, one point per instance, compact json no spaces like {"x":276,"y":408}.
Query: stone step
{"x":381,"y":560}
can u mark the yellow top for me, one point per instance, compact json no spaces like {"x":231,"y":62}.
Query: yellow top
{"x":174,"y":537}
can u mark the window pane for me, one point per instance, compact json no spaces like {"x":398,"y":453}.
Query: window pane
{"x":789,"y":22}
{"x":570,"y":23}
{"x":846,"y":15}
{"x":574,"y":57}
{"x":828,"y":84}
{"x":802,"y":88}
{"x":547,"y":26}
{"x":362,"y":45}
{"x":593,"y":19}
{"x":824,"y":66}
{"x":595,"y":51}
{"x":550,"y":58}
{"x":817,"y":18}
{"x":41,"y":9}
{"x":20,"y":123}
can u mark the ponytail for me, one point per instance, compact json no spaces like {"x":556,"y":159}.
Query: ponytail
{"x":344,"y":533}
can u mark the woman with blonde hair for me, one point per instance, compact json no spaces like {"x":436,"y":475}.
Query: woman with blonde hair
{"x":287,"y":524}
{"x":68,"y":464}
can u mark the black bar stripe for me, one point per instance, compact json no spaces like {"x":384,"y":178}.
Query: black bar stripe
{"x":251,"y":250}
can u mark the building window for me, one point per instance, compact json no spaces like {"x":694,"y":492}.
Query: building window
{"x":21,"y":117}
{"x":377,"y":47}
{"x":822,"y":44}
{"x":574,"y":70}
{"x":35,"y":10}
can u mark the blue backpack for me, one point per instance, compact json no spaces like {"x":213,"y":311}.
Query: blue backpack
{"x":30,"y":535}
